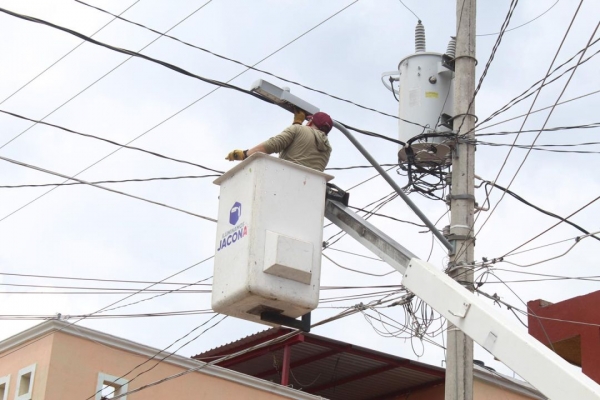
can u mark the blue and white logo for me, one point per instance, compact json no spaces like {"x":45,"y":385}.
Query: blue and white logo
{"x":235,"y":213}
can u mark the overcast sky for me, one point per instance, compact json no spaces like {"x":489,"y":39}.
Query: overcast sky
{"x":82,"y":231}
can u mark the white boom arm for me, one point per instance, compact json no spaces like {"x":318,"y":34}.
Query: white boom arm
{"x":503,"y":338}
{"x":524,"y":354}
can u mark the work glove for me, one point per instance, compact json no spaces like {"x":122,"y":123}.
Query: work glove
{"x":299,"y":116}
{"x":236,"y":155}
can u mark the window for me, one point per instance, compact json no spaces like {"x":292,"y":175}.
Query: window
{"x":4,"y":381}
{"x":109,"y":386}
{"x":25,"y":381}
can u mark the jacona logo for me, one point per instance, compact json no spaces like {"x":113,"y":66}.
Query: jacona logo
{"x":238,"y":231}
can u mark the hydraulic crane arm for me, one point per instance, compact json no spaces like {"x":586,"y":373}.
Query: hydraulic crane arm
{"x":502,"y":337}
{"x":368,"y":235}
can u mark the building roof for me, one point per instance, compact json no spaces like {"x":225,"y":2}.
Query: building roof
{"x":338,"y":370}
{"x":54,"y":326}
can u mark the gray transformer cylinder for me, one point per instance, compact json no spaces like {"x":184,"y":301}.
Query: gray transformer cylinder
{"x":425,"y":93}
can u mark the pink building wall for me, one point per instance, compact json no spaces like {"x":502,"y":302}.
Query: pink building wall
{"x":68,"y":367}
{"x":78,"y":361}
{"x":39,"y":353}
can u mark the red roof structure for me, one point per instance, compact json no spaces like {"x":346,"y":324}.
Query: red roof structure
{"x":327,"y":367}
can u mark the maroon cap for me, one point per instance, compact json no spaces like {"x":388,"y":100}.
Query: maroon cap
{"x":322,"y":121}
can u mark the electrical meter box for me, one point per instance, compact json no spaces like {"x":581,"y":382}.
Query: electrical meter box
{"x":269,"y":239}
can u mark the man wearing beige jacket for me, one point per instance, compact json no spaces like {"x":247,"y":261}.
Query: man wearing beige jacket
{"x":306,"y":145}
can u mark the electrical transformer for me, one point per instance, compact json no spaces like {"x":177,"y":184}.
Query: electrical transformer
{"x":425,"y":97}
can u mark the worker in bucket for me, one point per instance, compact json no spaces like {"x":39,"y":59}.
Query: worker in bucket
{"x":301,"y":144}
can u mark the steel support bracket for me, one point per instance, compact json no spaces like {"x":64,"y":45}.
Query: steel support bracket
{"x":448,"y":62}
{"x":463,"y":312}
{"x":332,"y":192}
{"x":280,"y":319}
{"x":446,"y":121}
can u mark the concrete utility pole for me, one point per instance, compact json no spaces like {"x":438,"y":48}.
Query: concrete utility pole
{"x":459,"y":353}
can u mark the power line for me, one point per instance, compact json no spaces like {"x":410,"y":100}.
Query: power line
{"x":369,"y":179}
{"x":514,"y":253}
{"x":388,"y":217}
{"x":509,"y":306}
{"x":542,"y":82}
{"x":107,"y":308}
{"x":355,"y":254}
{"x":204,"y":365}
{"x":554,"y":129}
{"x":538,"y":110}
{"x":246,"y":65}
{"x":545,"y":280}
{"x":282,"y":338}
{"x":85,"y":38}
{"x":522,"y":25}
{"x":525,"y":95}
{"x":65,"y":55}
{"x":111,"y":293}
{"x":538,"y":91}
{"x":412,"y":12}
{"x":503,"y":29}
{"x":87,"y":279}
{"x":355,"y":270}
{"x":61,"y":317}
{"x":505,"y":23}
{"x":72,"y":98}
{"x":119,"y":289}
{"x":542,"y":147}
{"x":113,"y":181}
{"x":577,"y":241}
{"x":591,"y":277}
{"x":553,"y":226}
{"x":78,"y":278}
{"x":182,"y":109}
{"x":163,"y":350}
{"x":161,"y":294}
{"x":382,"y":202}
{"x":135,"y":54}
{"x":550,"y":214}
{"x":358,"y":167}
{"x":362,"y":296}
{"x":543,"y":126}
{"x":377,"y":135}
{"x":103,"y":187}
{"x":87,"y":135}
{"x":529,"y":310}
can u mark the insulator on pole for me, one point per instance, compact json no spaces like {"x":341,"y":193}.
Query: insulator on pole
{"x":451,"y":50}
{"x":419,"y":38}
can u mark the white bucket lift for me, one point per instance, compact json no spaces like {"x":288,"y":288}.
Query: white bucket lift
{"x":269,"y":239}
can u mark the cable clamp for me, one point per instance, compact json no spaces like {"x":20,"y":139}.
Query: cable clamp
{"x":460,"y":197}
{"x":460,"y":237}
{"x":466,"y":56}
